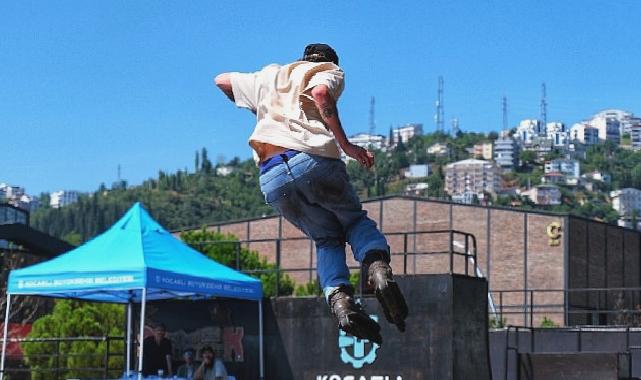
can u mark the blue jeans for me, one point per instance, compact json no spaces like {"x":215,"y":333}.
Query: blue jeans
{"x":314,"y":194}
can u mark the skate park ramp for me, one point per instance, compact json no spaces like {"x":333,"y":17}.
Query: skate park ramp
{"x":446,"y":336}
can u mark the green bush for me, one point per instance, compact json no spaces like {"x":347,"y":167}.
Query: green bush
{"x":497,"y":323}
{"x":548,"y":323}
{"x":309,"y":289}
{"x":76,"y":319}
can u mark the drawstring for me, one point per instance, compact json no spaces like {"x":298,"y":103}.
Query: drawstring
{"x":286,"y":161}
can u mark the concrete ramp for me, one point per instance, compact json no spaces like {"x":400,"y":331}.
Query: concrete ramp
{"x":446,"y":337}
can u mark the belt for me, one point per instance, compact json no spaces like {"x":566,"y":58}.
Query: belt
{"x":277,"y":159}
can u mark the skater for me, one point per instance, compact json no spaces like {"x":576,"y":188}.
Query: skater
{"x":296,"y":146}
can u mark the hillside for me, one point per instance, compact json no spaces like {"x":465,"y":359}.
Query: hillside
{"x":175,"y":199}
{"x":230,"y":190}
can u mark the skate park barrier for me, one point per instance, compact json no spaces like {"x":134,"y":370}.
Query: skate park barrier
{"x":581,"y":352}
{"x":446,"y":336}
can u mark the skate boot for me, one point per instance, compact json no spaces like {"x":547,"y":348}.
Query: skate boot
{"x":380,"y":278}
{"x":351,"y":317}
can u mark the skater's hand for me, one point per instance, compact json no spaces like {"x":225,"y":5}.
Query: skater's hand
{"x":362,"y":155}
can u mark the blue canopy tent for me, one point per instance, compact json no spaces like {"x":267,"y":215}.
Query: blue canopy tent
{"x":135,"y":261}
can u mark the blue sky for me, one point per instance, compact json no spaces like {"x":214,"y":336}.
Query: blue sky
{"x":88,"y":85}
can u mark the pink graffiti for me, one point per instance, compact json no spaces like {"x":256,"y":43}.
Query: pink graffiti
{"x":233,"y":342}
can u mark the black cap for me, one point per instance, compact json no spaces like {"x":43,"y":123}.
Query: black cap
{"x":320,"y":53}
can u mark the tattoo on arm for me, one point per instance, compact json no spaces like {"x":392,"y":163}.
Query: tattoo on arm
{"x":328,"y":111}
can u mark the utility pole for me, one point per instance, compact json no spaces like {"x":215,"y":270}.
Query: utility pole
{"x":439,"y":117}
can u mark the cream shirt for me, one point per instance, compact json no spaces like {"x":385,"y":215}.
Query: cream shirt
{"x":286,"y":115}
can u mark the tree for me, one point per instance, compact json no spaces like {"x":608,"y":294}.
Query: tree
{"x":71,"y":318}
{"x":635,"y":175}
{"x":528,"y":157}
{"x":225,"y":249}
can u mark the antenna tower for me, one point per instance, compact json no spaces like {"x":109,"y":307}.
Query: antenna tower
{"x":505,"y":128}
{"x":544,"y":107}
{"x":440,"y":115}
{"x":372,"y":120}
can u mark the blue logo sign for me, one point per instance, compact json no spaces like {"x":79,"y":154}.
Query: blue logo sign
{"x":358,"y":357}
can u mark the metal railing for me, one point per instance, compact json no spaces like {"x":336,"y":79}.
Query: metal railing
{"x":53,"y":361}
{"x":467,"y":251}
{"x":515,"y":346}
{"x":595,"y":306}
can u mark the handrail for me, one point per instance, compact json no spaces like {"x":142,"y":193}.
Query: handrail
{"x":469,"y":254}
{"x":579,"y":330}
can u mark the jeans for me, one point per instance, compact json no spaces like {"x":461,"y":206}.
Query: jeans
{"x":314,"y":194}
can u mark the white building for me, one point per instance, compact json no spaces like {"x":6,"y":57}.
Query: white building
{"x":635,"y":137}
{"x":468,"y":197}
{"x":626,"y":119}
{"x":28,"y":203}
{"x":506,"y":152}
{"x":405,"y":133}
{"x":589,"y":180}
{"x":556,"y":132}
{"x":597,"y":176}
{"x":569,"y":168}
{"x":545,"y":195}
{"x":527,"y":130}
{"x":609,"y":129}
{"x":484,"y":151}
{"x":224,"y":171}
{"x":63,"y":198}
{"x":439,"y":150}
{"x":418,"y":188}
{"x":627,"y":202}
{"x":417,"y":171}
{"x":366,"y":140}
{"x":476,"y":176}
{"x":11,"y":192}
{"x":584,"y":133}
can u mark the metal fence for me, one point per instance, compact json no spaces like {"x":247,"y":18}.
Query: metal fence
{"x":582,"y":306}
{"x":460,"y":245}
{"x":577,"y":339}
{"x":54,"y":358}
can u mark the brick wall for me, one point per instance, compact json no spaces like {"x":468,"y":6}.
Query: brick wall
{"x":510,"y":243}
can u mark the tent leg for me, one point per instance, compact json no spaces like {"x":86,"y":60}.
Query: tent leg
{"x":6,"y":333}
{"x":260,"y":338}
{"x":128,"y":339}
{"x":142,"y":332}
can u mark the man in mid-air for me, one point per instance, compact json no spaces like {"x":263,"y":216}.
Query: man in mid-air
{"x":296,"y":145}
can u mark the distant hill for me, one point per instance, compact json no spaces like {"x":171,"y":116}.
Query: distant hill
{"x":227,"y":191}
{"x":175,"y":199}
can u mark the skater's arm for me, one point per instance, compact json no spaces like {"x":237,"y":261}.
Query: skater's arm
{"x":223,"y":82}
{"x":329,"y":112}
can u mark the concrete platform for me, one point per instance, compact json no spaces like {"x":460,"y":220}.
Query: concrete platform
{"x":446,"y":338}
